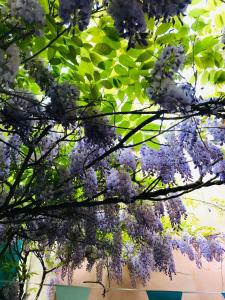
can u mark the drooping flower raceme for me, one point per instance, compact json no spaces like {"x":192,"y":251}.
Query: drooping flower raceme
{"x":127,"y":158}
{"x":30,"y":11}
{"x":129,"y":20}
{"x":165,"y":8}
{"x":119,"y":183}
{"x":163,"y":89}
{"x":76,"y":12}
{"x":168,"y":63}
{"x":62,"y":106}
{"x":20,"y":112}
{"x":165,"y":163}
{"x":217,"y":129}
{"x":97,"y":129}
{"x":9,"y":64}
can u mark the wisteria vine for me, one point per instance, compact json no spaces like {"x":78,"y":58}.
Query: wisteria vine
{"x":71,"y":185}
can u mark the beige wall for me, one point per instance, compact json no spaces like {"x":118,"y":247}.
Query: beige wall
{"x":189,"y":278}
{"x":210,"y":278}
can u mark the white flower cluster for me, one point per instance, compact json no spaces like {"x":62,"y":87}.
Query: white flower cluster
{"x":165,"y":8}
{"x":9,"y":63}
{"x":30,"y":11}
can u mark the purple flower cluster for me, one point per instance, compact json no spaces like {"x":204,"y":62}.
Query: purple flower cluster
{"x":129,"y":20}
{"x":50,"y":145}
{"x":165,"y":9}
{"x":98,"y":129}
{"x":90,"y":181}
{"x":30,"y":11}
{"x":169,"y":62}
{"x":20,"y":112}
{"x":203,"y":153}
{"x":209,"y":248}
{"x":163,"y":256}
{"x":76,"y":12}
{"x":217,"y":129}
{"x":119,"y":183}
{"x":165,"y":163}
{"x":163,"y":89}
{"x":9,"y":64}
{"x":176,"y":210}
{"x":62,"y":106}
{"x":146,"y":217}
{"x":40,"y":74}
{"x":127,"y":158}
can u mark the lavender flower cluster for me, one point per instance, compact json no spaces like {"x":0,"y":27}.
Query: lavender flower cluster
{"x":119,"y":183}
{"x":62,"y":106}
{"x":76,"y":12}
{"x":217,"y":129}
{"x":30,"y":11}
{"x":165,"y":163}
{"x":9,"y":64}
{"x":163,"y":89}
{"x":97,"y":129}
{"x":198,"y":247}
{"x":165,"y":8}
{"x":129,"y":20}
{"x":146,"y":249}
{"x":20,"y":112}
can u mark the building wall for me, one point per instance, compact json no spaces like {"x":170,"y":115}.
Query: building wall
{"x":211,"y":278}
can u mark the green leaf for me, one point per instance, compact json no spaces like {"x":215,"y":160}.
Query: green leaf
{"x":219,"y":77}
{"x":44,"y":4}
{"x":77,"y":41}
{"x":107,"y":84}
{"x":95,"y":58}
{"x":148,"y":65}
{"x":51,"y":53}
{"x":198,"y":25}
{"x":162,"y":28}
{"x":55,"y":61}
{"x":198,"y":12}
{"x":89,"y":77}
{"x":126,"y":61}
{"x":102,"y":49}
{"x":97,"y":75}
{"x":112,"y":33}
{"x":145,"y":56}
{"x":117,"y":83}
{"x":120,"y":70}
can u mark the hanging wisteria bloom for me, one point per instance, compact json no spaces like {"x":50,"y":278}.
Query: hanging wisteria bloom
{"x":97,"y":129}
{"x":62,"y":107}
{"x":90,"y":183}
{"x":20,"y":112}
{"x":129,"y":20}
{"x":30,"y":11}
{"x":165,"y":8}
{"x":9,"y":64}
{"x":127,"y":158}
{"x":165,"y":163}
{"x":119,"y":183}
{"x":176,"y":210}
{"x":76,"y":12}
{"x":163,"y":89}
{"x":217,"y":129}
